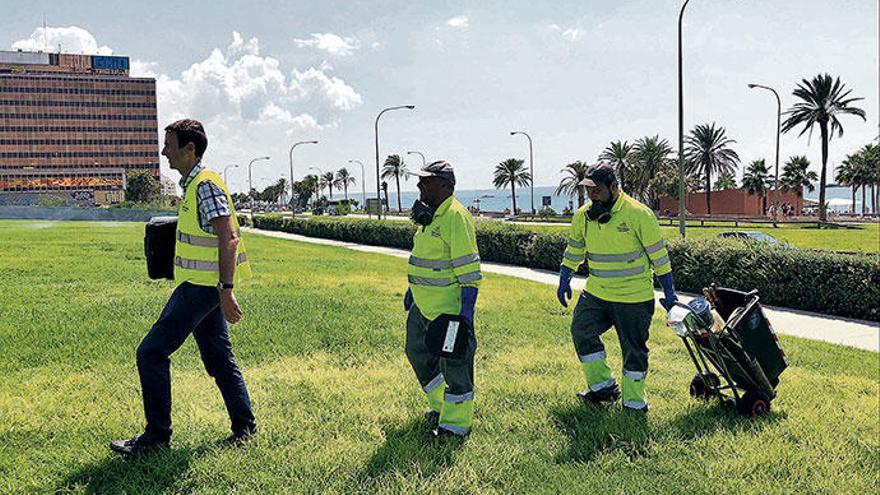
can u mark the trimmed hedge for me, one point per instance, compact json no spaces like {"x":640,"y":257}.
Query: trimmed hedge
{"x":846,"y":285}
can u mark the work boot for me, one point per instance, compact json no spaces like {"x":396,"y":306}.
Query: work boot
{"x":442,"y":433}
{"x":432,"y":417}
{"x":643,"y":409}
{"x":607,"y":394}
{"x":241,"y":436}
{"x":137,"y":445}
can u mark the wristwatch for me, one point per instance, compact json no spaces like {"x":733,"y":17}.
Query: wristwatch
{"x":223,"y":285}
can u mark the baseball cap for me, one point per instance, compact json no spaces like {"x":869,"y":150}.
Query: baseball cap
{"x":600,"y":173}
{"x":439,"y":168}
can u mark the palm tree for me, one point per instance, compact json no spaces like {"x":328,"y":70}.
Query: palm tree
{"x":824,"y":99}
{"x":755,"y":181}
{"x":796,"y":175}
{"x":707,"y":149}
{"x":651,"y":155}
{"x":726,"y":180}
{"x":620,"y":156}
{"x":871,"y":156}
{"x":327,"y":180}
{"x":344,"y":179}
{"x":577,"y":172}
{"x":848,"y":174}
{"x":394,"y":167}
{"x":511,"y":172}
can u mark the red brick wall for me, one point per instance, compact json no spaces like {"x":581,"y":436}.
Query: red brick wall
{"x":731,"y":202}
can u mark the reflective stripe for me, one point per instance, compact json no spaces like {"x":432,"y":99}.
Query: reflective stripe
{"x":573,"y":257}
{"x":197,"y":240}
{"x":430,"y":282}
{"x":465,"y":260}
{"x":576,"y":244}
{"x":434,"y":383}
{"x":634,"y":404}
{"x":470,"y":277}
{"x":615,"y":257}
{"x":606,"y":384}
{"x":432,"y":264}
{"x":455,"y":399}
{"x":458,"y":430}
{"x":653,"y":248}
{"x":617,"y":273}
{"x":662,"y":261}
{"x":635,"y":375}
{"x":206,"y":266}
{"x":589,"y":358}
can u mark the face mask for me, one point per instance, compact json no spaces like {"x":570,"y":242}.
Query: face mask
{"x":422,"y":213}
{"x":599,"y":212}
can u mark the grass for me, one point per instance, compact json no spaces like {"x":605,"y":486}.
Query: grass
{"x":321,"y":347}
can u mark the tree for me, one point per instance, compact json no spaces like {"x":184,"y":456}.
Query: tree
{"x":327,"y":179}
{"x":395,"y":167}
{"x":620,"y":156}
{"x":796,"y":175}
{"x":344,"y":179}
{"x":142,"y":187}
{"x":511,"y":172}
{"x":755,"y":181}
{"x":823,"y":100}
{"x":871,"y":156}
{"x":651,"y":154}
{"x":576,"y":172}
{"x":303,"y":191}
{"x":848,"y":174}
{"x":707,"y":150}
{"x":726,"y":180}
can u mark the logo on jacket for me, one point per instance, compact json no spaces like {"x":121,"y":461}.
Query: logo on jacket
{"x":435,"y":232}
{"x":622,"y":227}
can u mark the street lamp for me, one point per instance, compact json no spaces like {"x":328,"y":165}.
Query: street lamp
{"x":531,"y":167}
{"x":363,"y":182}
{"x":376,"y":135}
{"x":250,"y":181}
{"x":290,"y":155}
{"x":424,"y":162}
{"x":681,"y":189}
{"x":232,"y":165}
{"x":778,"y":127}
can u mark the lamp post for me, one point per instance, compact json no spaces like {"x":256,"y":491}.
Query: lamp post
{"x":424,"y":162}
{"x":363,"y":182}
{"x":531,"y":167}
{"x":376,"y":135}
{"x":251,"y":182}
{"x":232,"y":165}
{"x":681,"y":189}
{"x":290,"y":156}
{"x":778,"y":127}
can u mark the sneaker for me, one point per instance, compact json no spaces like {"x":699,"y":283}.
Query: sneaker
{"x":137,"y":445}
{"x":241,"y":436}
{"x":432,"y":417}
{"x":607,"y":394}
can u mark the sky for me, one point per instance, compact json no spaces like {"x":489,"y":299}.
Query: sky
{"x":575,"y":75}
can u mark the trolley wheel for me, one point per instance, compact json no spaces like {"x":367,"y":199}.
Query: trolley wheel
{"x":703,"y":386}
{"x":754,"y":404}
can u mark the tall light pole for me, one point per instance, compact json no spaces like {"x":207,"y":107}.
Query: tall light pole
{"x":290,"y":155}
{"x":531,"y":167}
{"x":231,"y":165}
{"x":424,"y":162}
{"x":251,"y":182}
{"x":376,"y":135}
{"x":363,"y":182}
{"x":778,"y":127}
{"x":681,"y":188}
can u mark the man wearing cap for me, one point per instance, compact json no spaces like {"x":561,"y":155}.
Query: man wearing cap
{"x":620,"y":239}
{"x":444,"y":274}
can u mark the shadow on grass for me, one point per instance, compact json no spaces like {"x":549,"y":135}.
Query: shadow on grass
{"x":148,"y":473}
{"x":412,"y":449}
{"x":710,"y":418}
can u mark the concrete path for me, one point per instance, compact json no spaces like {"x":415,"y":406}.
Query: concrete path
{"x":836,"y":330}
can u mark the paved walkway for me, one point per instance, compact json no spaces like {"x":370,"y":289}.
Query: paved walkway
{"x":853,"y":333}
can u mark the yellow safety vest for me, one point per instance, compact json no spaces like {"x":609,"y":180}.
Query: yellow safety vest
{"x":622,"y":254}
{"x":444,"y":259}
{"x":196,"y":253}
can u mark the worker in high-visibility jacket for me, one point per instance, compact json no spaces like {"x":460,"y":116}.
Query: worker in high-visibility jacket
{"x":620,"y":239}
{"x":209,"y":260}
{"x":444,"y":276}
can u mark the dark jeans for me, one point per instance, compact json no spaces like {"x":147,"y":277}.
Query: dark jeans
{"x":593,"y":316}
{"x":191,"y":309}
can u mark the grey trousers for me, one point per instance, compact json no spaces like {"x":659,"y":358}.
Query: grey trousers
{"x":593,"y":317}
{"x":430,"y":370}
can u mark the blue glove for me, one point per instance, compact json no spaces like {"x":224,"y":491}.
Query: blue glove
{"x":563,"y":293}
{"x":468,"y":302}
{"x":407,"y":300}
{"x":669,"y":296}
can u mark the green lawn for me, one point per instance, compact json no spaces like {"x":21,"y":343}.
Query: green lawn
{"x":321,"y":347}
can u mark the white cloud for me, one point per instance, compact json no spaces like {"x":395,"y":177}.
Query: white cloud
{"x":330,"y":43}
{"x":458,"y":22}
{"x":573,"y":34}
{"x":554,"y":27}
{"x":71,"y":39}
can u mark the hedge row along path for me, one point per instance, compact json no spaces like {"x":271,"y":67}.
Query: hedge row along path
{"x":843,"y":331}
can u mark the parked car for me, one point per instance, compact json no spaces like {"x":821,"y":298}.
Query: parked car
{"x":755,"y":236}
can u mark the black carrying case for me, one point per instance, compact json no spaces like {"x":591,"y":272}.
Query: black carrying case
{"x":160,"y":236}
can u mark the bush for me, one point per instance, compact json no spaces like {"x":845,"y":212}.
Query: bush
{"x":53,"y":201}
{"x":845,"y":285}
